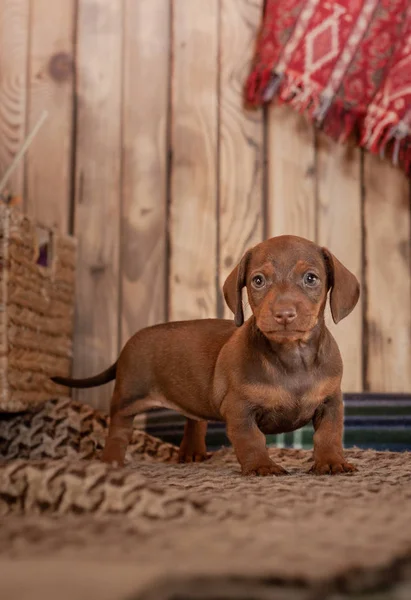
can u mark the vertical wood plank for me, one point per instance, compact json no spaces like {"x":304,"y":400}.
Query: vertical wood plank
{"x":194,"y":156}
{"x":145,"y":112}
{"x":240,"y":139}
{"x":387,"y":274}
{"x":291,"y":174}
{"x":97,"y":219}
{"x":14,"y":36}
{"x":291,"y":185}
{"x":339,"y":229}
{"x":48,"y":184}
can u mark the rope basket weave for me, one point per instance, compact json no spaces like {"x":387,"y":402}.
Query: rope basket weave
{"x":36,"y":310}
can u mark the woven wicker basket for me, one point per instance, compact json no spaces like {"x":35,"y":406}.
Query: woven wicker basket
{"x":36,"y":310}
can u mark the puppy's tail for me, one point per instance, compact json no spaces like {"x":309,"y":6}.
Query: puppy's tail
{"x":104,"y":377}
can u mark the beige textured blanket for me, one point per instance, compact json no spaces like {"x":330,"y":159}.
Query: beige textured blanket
{"x":72,"y":528}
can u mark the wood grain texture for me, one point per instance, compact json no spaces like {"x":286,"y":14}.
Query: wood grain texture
{"x":145,"y":115}
{"x":291,"y":174}
{"x":240,"y":140}
{"x":387,"y":272}
{"x":48,"y":184}
{"x":14,"y":36}
{"x":291,"y":185}
{"x":193,"y":237}
{"x":339,"y":229}
{"x":97,"y":208}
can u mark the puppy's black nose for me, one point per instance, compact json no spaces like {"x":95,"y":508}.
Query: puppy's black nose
{"x":285,"y":316}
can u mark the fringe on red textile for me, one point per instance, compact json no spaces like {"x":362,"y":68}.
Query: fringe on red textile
{"x":337,"y":120}
{"x":255,"y":87}
{"x":391,"y":140}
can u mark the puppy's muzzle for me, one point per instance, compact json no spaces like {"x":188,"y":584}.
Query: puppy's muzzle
{"x":285,"y":316}
{"x":286,"y":320}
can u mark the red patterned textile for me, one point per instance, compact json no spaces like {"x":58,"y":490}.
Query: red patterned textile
{"x":347,"y":63}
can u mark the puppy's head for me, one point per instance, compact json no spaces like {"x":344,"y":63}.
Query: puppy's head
{"x":287,"y":280}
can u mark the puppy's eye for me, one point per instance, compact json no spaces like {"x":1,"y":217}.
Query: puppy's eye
{"x":258,"y":281}
{"x":311,"y":279}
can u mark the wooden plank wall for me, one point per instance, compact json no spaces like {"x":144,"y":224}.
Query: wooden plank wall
{"x":150,"y":159}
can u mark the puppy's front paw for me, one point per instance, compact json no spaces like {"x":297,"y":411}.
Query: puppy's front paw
{"x":331,"y":466}
{"x":263,"y":470}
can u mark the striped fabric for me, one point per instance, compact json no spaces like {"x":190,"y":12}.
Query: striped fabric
{"x":376,"y":421}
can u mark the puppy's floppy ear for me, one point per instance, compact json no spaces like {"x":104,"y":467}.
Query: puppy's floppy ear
{"x":233,"y":287}
{"x":345,"y":288}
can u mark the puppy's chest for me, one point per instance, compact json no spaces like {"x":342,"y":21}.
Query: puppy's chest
{"x":287,"y":406}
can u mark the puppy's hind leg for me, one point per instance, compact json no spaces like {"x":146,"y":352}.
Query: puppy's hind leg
{"x":122,"y":413}
{"x":193,"y":445}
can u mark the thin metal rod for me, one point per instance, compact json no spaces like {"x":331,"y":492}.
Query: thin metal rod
{"x":23,"y":149}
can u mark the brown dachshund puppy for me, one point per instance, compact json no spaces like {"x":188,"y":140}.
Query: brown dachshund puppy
{"x":272,"y":374}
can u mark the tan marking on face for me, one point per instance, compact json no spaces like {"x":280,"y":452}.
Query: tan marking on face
{"x":302,"y":265}
{"x":266,"y":268}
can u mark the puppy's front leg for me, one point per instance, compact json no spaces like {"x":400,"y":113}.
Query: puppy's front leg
{"x":328,"y":424}
{"x":249,"y":444}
